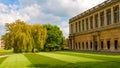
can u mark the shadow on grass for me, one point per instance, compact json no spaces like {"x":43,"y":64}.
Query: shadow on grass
{"x":43,"y":61}
{"x":80,"y":65}
{"x":2,"y":59}
{"x":40,"y":61}
{"x":91,"y":56}
{"x":93,"y":65}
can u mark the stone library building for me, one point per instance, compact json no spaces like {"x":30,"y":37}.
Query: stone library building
{"x":97,"y":29}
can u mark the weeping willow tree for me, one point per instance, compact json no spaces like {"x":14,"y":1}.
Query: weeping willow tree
{"x":39,"y":34}
{"x":23,"y":37}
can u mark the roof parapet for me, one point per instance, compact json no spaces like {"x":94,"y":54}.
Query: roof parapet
{"x":105,"y":3}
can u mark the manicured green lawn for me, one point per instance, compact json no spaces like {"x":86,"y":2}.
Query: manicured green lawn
{"x":61,"y":59}
{"x":5,"y":52}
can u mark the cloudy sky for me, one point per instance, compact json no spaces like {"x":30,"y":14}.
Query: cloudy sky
{"x":56,"y":12}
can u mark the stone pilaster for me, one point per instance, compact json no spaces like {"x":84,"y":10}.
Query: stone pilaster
{"x":112,"y":15}
{"x":105,"y":18}
{"x":99,"y":20}
{"x":119,"y":12}
{"x":93,"y":21}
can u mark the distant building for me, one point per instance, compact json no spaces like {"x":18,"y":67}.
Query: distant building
{"x":1,"y":44}
{"x":97,"y":29}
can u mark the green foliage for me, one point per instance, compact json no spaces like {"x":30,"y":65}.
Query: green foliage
{"x":23,"y":37}
{"x":5,"y":52}
{"x":55,"y":38}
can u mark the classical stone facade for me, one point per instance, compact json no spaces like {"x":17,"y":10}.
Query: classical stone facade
{"x":97,"y":29}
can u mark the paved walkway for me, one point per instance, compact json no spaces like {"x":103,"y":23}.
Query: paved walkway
{"x":4,"y":56}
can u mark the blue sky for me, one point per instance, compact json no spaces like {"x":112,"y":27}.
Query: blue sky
{"x":56,"y":12}
{"x":8,"y":2}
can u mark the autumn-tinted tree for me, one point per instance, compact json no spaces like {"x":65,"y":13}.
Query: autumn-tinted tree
{"x":23,"y":37}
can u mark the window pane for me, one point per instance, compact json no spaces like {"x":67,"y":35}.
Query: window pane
{"x":102,"y":18}
{"x":87,"y":24}
{"x":83,"y":25}
{"x":91,"y":22}
{"x":108,"y":44}
{"x":108,"y":16}
{"x":79,"y":26}
{"x":96,"y":20}
{"x":116,"y":14}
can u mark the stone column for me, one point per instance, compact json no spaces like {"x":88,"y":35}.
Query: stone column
{"x":85,"y":24}
{"x":88,"y":45}
{"x":78,"y":27}
{"x":81,"y":26}
{"x":93,"y":21}
{"x":105,"y":45}
{"x":89,"y":23}
{"x":99,"y":20}
{"x":112,"y":45}
{"x":74,"y":28}
{"x":119,"y":12}
{"x":105,"y":18}
{"x":98,"y":41}
{"x":119,"y":44}
{"x":112,"y":15}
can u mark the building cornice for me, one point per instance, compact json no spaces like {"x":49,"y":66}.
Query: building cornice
{"x":104,"y":28}
{"x":96,"y":8}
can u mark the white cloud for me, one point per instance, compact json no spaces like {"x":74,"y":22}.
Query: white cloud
{"x":3,"y":7}
{"x":8,"y":14}
{"x":32,"y":11}
{"x":45,"y":11}
{"x":64,"y":27}
{"x":62,"y":8}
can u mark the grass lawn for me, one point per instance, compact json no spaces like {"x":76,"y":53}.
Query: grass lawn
{"x":5,"y":52}
{"x":61,"y":59}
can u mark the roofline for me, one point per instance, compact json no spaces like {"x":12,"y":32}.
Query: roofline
{"x":95,"y":8}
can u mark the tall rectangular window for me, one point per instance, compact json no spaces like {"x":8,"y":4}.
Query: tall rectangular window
{"x":87,"y":24}
{"x":108,"y":16}
{"x":102,"y":44}
{"x":116,"y":44}
{"x":91,"y":44}
{"x":102,"y":18}
{"x":108,"y":44}
{"x":116,"y":14}
{"x":76,"y":26}
{"x":91,"y":22}
{"x":86,"y":45}
{"x":79,"y":45}
{"x":96,"y":20}
{"x":79,"y":26}
{"x":71,"y":28}
{"x":83,"y":25}
{"x":76,"y":46}
{"x":83,"y":45}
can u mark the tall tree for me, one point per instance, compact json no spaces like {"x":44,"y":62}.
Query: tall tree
{"x":55,"y":38}
{"x":23,"y":37}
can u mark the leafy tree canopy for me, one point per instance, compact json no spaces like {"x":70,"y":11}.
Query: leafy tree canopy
{"x":23,"y":37}
{"x":55,"y":38}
